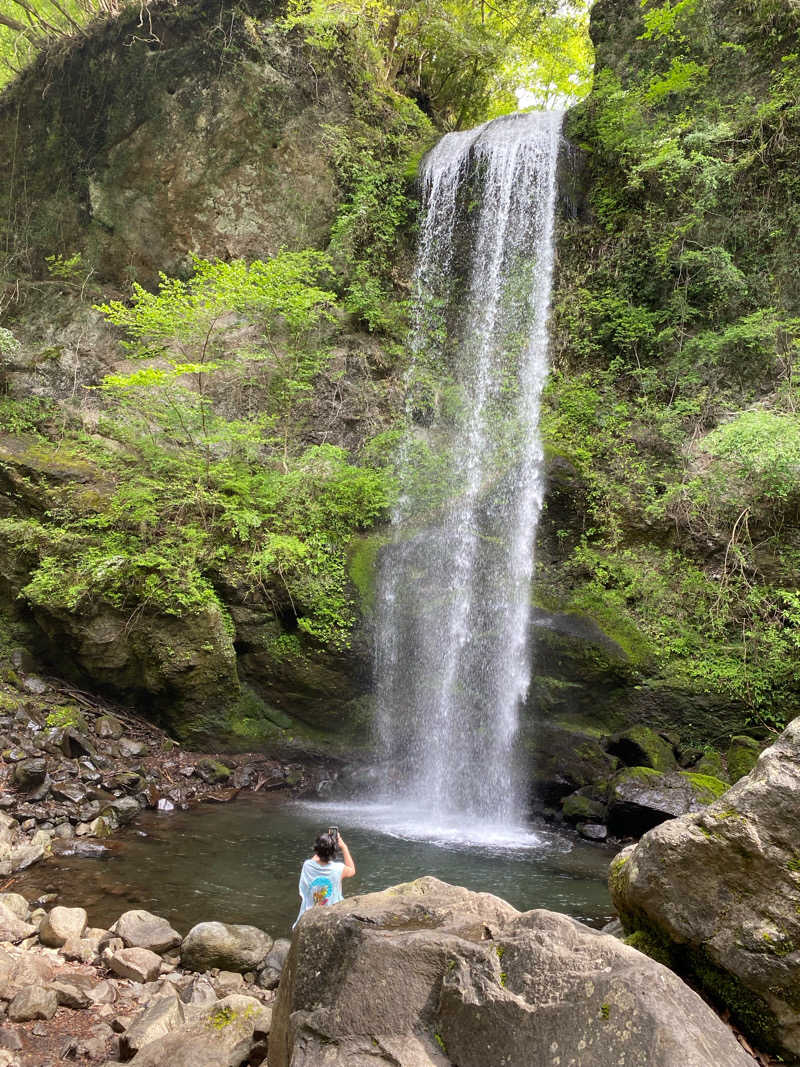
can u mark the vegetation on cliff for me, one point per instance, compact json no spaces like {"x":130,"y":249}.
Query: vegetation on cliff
{"x":677,"y":325}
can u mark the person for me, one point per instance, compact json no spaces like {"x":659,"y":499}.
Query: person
{"x":321,"y":876}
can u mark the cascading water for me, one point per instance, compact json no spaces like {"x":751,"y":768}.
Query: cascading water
{"x":452,"y":610}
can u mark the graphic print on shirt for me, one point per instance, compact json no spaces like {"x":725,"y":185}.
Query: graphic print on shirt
{"x":322,"y":890}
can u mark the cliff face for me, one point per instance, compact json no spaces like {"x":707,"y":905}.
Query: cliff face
{"x":674,"y":503}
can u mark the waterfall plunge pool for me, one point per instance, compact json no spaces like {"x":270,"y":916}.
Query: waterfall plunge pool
{"x":240,"y":862}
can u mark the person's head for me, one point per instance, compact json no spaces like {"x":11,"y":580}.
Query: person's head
{"x":325,"y":847}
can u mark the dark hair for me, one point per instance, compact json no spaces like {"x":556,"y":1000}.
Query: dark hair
{"x":325,"y":847}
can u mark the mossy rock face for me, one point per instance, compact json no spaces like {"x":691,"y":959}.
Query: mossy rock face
{"x":721,"y":889}
{"x":711,"y":763}
{"x":639,"y":746}
{"x":743,"y":755}
{"x":564,"y":759}
{"x":583,"y":807}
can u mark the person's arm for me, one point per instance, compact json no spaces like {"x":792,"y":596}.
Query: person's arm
{"x":349,"y":866}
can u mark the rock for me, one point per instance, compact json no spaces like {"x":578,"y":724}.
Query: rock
{"x":592,"y":831}
{"x":9,"y":1039}
{"x":141,"y":929}
{"x":710,"y":763}
{"x":16,"y":904}
{"x":79,"y":949}
{"x":30,"y":773}
{"x":742,"y":757}
{"x":228,"y":982}
{"x":130,"y":749}
{"x":639,"y":746}
{"x":12,"y":928}
{"x":62,"y":925}
{"x":161,"y":1017}
{"x":33,"y":1002}
{"x":34,"y":685}
{"x":221,"y":1036}
{"x":720,"y":892}
{"x":70,"y":996}
{"x":212,"y":771}
{"x":199,"y":993}
{"x":566,"y":760}
{"x":124,"y":809}
{"x":583,"y":807}
{"x":229,"y":947}
{"x":109,"y":727}
{"x":70,"y":790}
{"x":270,"y":974}
{"x":138,"y":964}
{"x":430,"y":974}
{"x":640,"y":798}
{"x":103,"y":993}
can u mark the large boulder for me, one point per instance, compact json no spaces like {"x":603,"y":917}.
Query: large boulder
{"x":719,"y":892}
{"x":61,"y":925}
{"x":641,"y":798}
{"x":141,"y":929}
{"x":224,"y":945}
{"x":431,"y":974}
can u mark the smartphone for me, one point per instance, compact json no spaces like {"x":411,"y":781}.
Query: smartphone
{"x":334,"y":832}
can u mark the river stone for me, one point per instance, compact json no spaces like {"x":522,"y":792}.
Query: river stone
{"x":229,"y":947}
{"x":17,"y":904}
{"x":30,"y":773}
{"x":138,"y":964}
{"x":123,"y":809}
{"x":427,"y":973}
{"x":61,"y":925}
{"x":33,"y":1002}
{"x":641,"y":798}
{"x":141,"y":929}
{"x":159,"y":1018}
{"x":721,"y":890}
{"x":221,"y":1036}
{"x":12,"y":927}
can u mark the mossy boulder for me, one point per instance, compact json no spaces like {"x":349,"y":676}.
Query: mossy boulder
{"x":564,"y":759}
{"x":641,"y":797}
{"x":583,"y":807}
{"x":639,"y":746}
{"x":711,"y":763}
{"x":721,"y":889}
{"x":743,"y":754}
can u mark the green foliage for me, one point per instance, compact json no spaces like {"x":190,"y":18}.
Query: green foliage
{"x":64,"y":717}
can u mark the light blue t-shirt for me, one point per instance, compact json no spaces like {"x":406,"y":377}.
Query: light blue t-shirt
{"x":320,"y":885}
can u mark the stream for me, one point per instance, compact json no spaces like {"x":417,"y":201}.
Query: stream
{"x":240,"y":862}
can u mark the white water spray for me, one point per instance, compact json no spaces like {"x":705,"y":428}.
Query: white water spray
{"x":453,"y":604}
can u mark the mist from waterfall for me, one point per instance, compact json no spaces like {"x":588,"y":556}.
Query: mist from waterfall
{"x":454,"y":588}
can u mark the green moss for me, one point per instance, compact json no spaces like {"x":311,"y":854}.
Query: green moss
{"x":743,"y":755}
{"x":706,"y":788}
{"x":749,"y":1010}
{"x":440,"y":1042}
{"x":652,"y":945}
{"x":362,"y":567}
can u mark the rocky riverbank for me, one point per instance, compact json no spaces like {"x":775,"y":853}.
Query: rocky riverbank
{"x":74,"y":769}
{"x":137,"y":993}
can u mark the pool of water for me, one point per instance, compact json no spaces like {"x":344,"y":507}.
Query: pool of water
{"x":240,"y":863}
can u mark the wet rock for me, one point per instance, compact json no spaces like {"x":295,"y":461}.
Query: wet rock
{"x":425,"y":967}
{"x":141,"y":929}
{"x":592,"y":831}
{"x":582,"y":806}
{"x":129,"y":781}
{"x":161,"y":1017}
{"x":138,"y":964}
{"x":62,"y":925}
{"x":123,"y":809}
{"x":229,"y":947}
{"x":720,"y":889}
{"x":30,"y":773}
{"x":212,"y":771}
{"x":33,"y":1002}
{"x":70,"y":790}
{"x":109,"y":727}
{"x":639,"y":746}
{"x":743,"y":754}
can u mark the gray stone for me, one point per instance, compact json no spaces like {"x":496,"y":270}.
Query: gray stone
{"x":641,"y":798}
{"x":401,"y":976}
{"x":592,"y":831}
{"x":723,"y":885}
{"x":62,"y":925}
{"x":124,"y":809}
{"x":270,"y":974}
{"x":141,"y":929}
{"x":221,"y":1036}
{"x":12,"y":928}
{"x":229,"y":947}
{"x":36,"y":686}
{"x":138,"y":964}
{"x":159,"y":1018}
{"x":130,"y":749}
{"x":33,"y":1002}
{"x":30,"y":773}
{"x":70,"y":996}
{"x":71,"y":790}
{"x":109,"y":726}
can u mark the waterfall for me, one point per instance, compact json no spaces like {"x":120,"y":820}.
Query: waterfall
{"x":453,"y":598}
